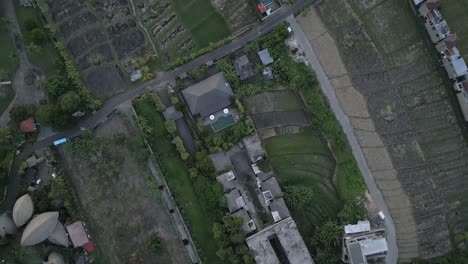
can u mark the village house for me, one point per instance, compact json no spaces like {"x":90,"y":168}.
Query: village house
{"x":461,"y":87}
{"x":79,"y":236}
{"x":435,"y":24}
{"x":452,"y":60}
{"x":279,"y":243}
{"x":361,"y":243}
{"x":209,"y":102}
{"x":243,"y":67}
{"x":28,"y":126}
{"x":267,"y":7}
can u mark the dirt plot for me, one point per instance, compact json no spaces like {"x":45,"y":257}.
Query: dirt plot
{"x":240,"y":15}
{"x":280,"y":118}
{"x":272,"y":101}
{"x":69,"y":27}
{"x":99,"y":34}
{"x":126,"y":43}
{"x":124,"y":215}
{"x":105,"y":81}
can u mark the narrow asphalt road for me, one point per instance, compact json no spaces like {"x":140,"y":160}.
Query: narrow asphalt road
{"x":329,"y":91}
{"x":163,"y":77}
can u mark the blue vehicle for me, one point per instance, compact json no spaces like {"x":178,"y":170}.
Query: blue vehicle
{"x":60,"y":141}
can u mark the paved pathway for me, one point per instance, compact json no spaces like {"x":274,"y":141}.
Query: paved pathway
{"x":25,"y":94}
{"x":329,"y":91}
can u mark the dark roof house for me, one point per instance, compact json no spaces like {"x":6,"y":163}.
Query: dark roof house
{"x":243,"y":67}
{"x":208,"y":96}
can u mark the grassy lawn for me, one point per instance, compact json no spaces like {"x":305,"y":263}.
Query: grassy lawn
{"x":273,"y":101}
{"x":8,"y":60}
{"x":48,"y":54}
{"x":203,"y":21}
{"x":304,"y":160}
{"x":6,"y":95}
{"x":176,"y":175}
{"x":455,"y":13}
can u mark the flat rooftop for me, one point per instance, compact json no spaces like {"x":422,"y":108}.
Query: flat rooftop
{"x":279,"y":244}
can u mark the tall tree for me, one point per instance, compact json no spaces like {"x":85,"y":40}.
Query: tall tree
{"x":69,"y":102}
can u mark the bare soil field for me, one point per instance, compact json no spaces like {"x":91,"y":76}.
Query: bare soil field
{"x":123,"y":213}
{"x":410,"y":102}
{"x":240,"y":15}
{"x":101,"y":33}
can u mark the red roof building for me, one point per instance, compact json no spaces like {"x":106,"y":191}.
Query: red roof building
{"x":88,"y":246}
{"x":28,"y":126}
{"x":262,"y":8}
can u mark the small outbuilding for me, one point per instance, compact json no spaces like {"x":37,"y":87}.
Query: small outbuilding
{"x":265,"y":57}
{"x":254,"y":147}
{"x":54,"y":258}
{"x":279,"y":209}
{"x":228,"y":180}
{"x":243,"y":67}
{"x":59,"y":236}
{"x":235,"y":201}
{"x":28,"y":126}
{"x":34,"y":160}
{"x":7,"y":226}
{"x":171,"y":113}
{"x":267,"y":73}
{"x":23,"y":210}
{"x":39,"y":229}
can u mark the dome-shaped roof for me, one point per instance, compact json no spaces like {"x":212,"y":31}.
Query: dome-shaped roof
{"x":39,"y":229}
{"x":59,"y":236}
{"x":54,"y":258}
{"x":23,"y":210}
{"x":7,"y":226}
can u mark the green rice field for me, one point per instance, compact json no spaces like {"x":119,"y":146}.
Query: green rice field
{"x":203,"y":21}
{"x":304,"y":159}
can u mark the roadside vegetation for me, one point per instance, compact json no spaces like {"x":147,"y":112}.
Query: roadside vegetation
{"x":36,"y":39}
{"x":8,"y":56}
{"x":193,"y":185}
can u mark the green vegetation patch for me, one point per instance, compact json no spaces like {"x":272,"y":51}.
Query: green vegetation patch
{"x":41,"y":51}
{"x":8,"y":57}
{"x":455,"y":12}
{"x":6,"y":95}
{"x":304,"y":161}
{"x":176,"y":173}
{"x":203,"y":21}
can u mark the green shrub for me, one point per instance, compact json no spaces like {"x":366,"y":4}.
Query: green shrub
{"x":180,"y":147}
{"x":170,"y":126}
